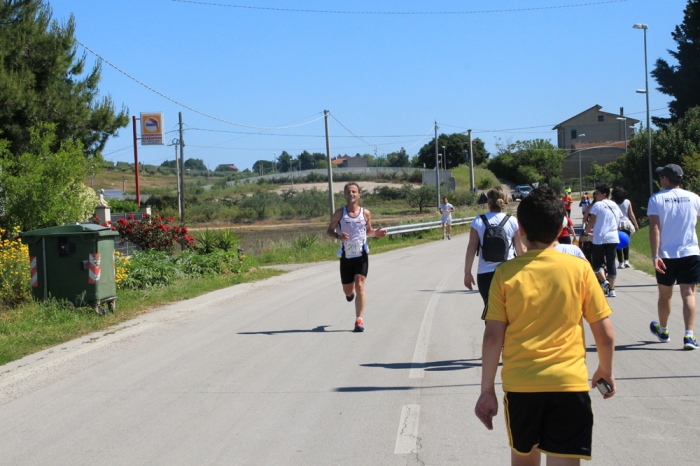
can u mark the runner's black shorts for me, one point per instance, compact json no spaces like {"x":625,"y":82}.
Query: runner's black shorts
{"x":354,"y":266}
{"x":684,"y":271}
{"x":606,"y":251}
{"x":557,"y":423}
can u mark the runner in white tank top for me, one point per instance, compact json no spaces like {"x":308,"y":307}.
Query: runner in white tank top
{"x":352,"y":226}
{"x":356,"y":228}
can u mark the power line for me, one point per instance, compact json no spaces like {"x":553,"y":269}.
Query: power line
{"x":187,"y":106}
{"x":406,"y":13}
{"x":303,"y":135}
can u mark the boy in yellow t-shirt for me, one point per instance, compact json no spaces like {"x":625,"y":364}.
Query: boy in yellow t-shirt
{"x":537,"y":303}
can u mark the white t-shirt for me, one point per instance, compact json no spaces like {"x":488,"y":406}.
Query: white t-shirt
{"x":607,"y":218}
{"x":678,"y":212}
{"x":511,"y":228}
{"x":446,"y":210}
{"x":570,"y":249}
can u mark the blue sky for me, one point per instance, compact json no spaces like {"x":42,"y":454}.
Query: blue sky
{"x":380,"y":75}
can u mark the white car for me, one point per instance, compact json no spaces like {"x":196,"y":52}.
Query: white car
{"x":521,"y":191}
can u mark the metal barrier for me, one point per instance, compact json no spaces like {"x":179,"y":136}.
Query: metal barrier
{"x":411,"y":227}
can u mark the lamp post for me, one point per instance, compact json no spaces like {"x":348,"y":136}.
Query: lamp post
{"x":644,"y":27}
{"x":624,"y":123}
{"x":580,"y":172}
{"x":444,"y":158}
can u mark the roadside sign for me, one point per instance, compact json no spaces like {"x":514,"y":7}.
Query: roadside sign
{"x":152,"y":129}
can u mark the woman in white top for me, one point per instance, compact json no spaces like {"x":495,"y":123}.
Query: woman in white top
{"x":628,"y":223}
{"x":496,"y":200}
{"x":604,"y":219}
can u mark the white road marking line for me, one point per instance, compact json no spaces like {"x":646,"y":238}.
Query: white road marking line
{"x":421,"y":352}
{"x":408,"y":430}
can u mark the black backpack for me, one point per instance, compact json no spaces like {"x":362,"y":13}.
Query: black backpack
{"x":496,"y":244}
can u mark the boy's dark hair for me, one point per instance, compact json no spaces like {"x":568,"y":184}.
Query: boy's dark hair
{"x":603,"y":189}
{"x":541,"y":214}
{"x":619,"y":194}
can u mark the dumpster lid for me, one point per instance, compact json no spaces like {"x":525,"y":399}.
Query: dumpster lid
{"x":71,"y":229}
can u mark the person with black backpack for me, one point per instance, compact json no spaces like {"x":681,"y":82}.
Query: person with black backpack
{"x":494,"y":237}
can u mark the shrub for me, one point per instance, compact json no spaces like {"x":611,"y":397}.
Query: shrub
{"x":122,"y":206}
{"x":15,"y":284}
{"x":151,"y":268}
{"x":121,"y":268}
{"x":463,"y":197}
{"x":486,"y":181}
{"x":304,"y":242}
{"x":154,"y":232}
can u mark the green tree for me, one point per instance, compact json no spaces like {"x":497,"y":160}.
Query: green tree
{"x":263,"y":167}
{"x":536,"y":160}
{"x":42,"y":80}
{"x":678,"y":143}
{"x":682,"y":81}
{"x":398,"y":159}
{"x":261,"y":202}
{"x":457,"y":149}
{"x":195,"y":164}
{"x":44,"y":187}
{"x":311,"y":202}
{"x":422,"y":197}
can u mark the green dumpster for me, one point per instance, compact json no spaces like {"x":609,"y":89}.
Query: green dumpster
{"x":74,"y":263}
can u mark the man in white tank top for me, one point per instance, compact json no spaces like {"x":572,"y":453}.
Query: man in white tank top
{"x":352,"y":226}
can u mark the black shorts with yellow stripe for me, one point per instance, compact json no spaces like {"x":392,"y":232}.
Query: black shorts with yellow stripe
{"x":557,"y":423}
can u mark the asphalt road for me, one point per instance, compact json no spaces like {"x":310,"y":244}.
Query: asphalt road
{"x":271,"y":374}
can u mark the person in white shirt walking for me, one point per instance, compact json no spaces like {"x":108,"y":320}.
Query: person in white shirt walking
{"x":604,"y":218}
{"x":352,"y":226}
{"x":503,"y":242}
{"x":673,"y":214}
{"x":446,"y":210}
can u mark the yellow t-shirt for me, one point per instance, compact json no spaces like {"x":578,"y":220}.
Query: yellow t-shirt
{"x":543,"y":296}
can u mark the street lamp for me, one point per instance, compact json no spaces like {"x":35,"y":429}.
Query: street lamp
{"x":624,"y":123}
{"x":644,"y":27}
{"x":444,"y":158}
{"x":580,"y":172}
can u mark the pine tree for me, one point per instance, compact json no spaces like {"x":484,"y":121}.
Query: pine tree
{"x":682,"y":81}
{"x":43,"y":81}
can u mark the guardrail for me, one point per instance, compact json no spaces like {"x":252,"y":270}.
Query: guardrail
{"x":411,"y":227}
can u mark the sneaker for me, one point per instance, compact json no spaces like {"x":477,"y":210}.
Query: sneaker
{"x":605,"y":286}
{"x":655,"y":329}
{"x":443,"y":236}
{"x":351,"y":297}
{"x":359,"y":326}
{"x":690,"y":343}
{"x":611,"y":294}
{"x":621,"y":265}
{"x":627,"y":264}
{"x":449,"y":237}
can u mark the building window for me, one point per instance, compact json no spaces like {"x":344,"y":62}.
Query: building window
{"x":601,"y":117}
{"x":573,"y":134}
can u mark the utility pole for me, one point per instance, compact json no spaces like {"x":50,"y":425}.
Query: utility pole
{"x":182,"y":173}
{"x":136,"y":164}
{"x":330,"y":170}
{"x":471,"y":162}
{"x":437,"y":168}
{"x":175,"y":143}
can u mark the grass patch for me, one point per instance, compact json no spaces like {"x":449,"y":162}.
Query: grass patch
{"x":461,"y":175}
{"x":640,"y":250}
{"x":35,"y":326}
